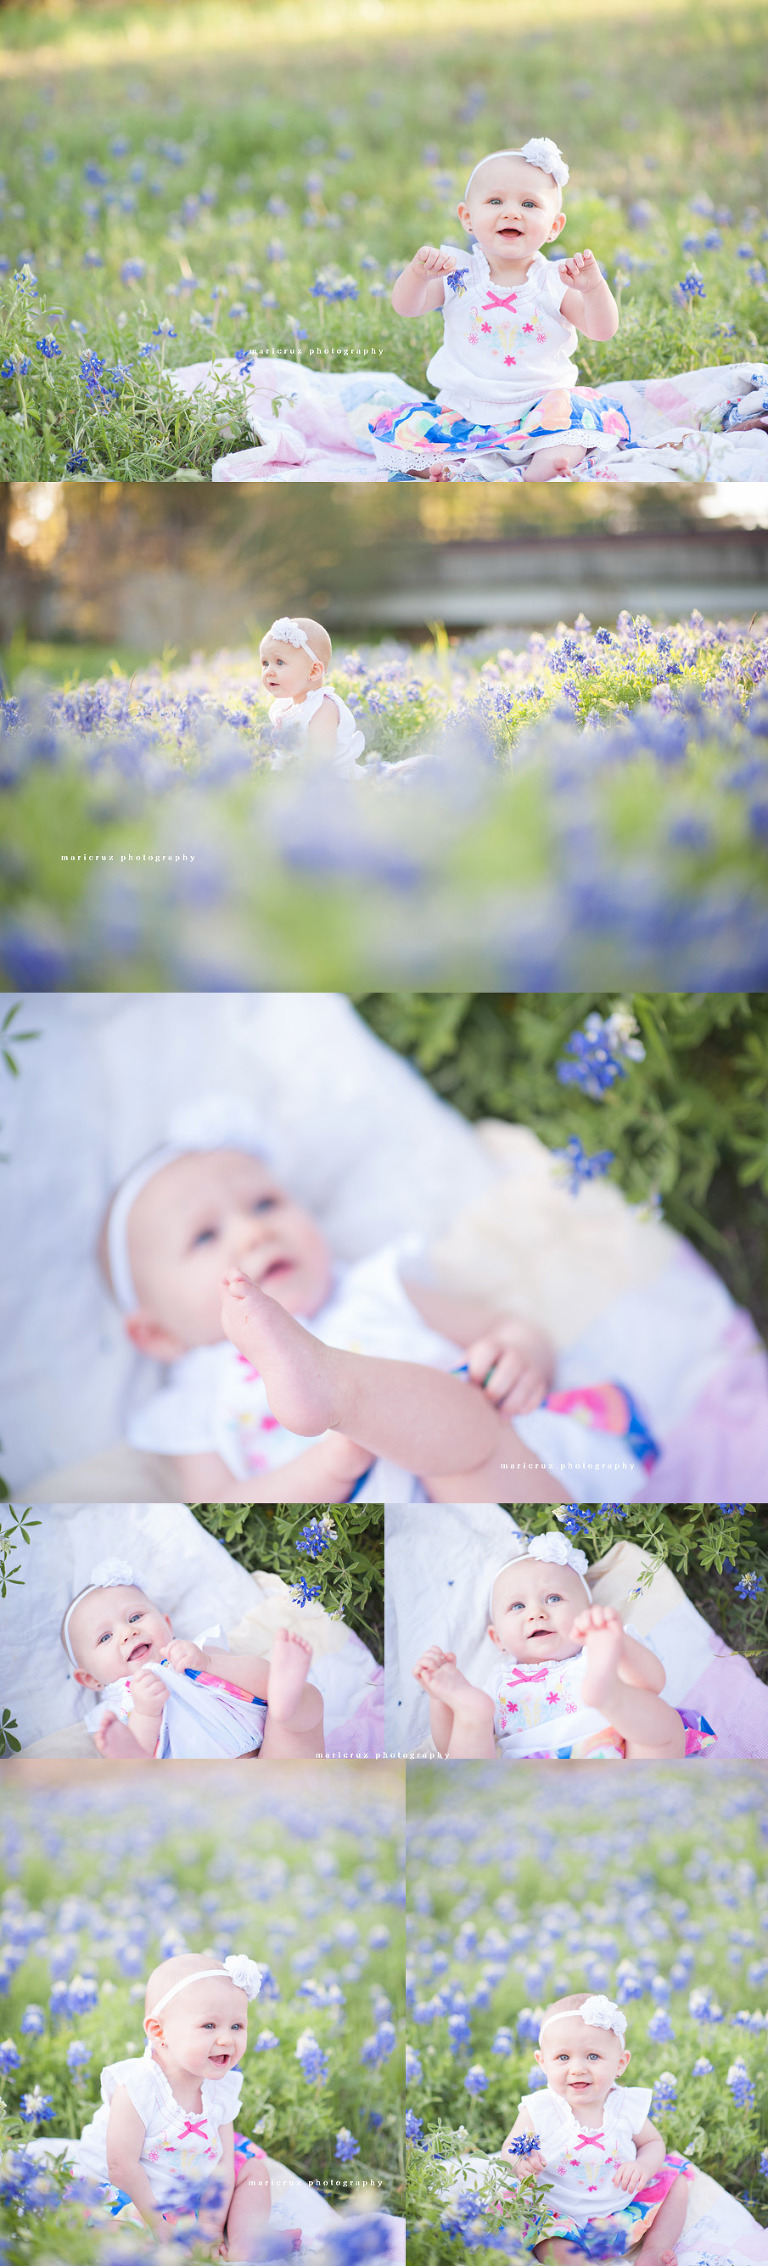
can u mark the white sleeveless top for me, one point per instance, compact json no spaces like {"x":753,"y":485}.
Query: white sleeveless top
{"x":502,"y":348}
{"x":175,"y":2139}
{"x":350,"y":741}
{"x":580,"y":2161}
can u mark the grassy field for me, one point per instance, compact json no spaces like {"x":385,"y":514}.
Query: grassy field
{"x":200,"y":176}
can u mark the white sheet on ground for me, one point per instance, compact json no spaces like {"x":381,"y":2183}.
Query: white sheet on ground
{"x":188,"y":1574}
{"x":321,"y":429}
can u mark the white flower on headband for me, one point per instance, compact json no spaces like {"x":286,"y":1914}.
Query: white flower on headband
{"x":244,"y":1973}
{"x":601,"y":2014}
{"x":544,"y":153}
{"x":288,"y":631}
{"x":114,"y":1573}
{"x":555,"y":1550}
{"x":219,"y":1120}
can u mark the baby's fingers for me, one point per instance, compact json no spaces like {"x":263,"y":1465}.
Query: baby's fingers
{"x":526,"y":1395}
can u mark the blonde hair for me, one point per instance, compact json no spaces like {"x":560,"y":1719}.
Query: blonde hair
{"x":173,"y":1971}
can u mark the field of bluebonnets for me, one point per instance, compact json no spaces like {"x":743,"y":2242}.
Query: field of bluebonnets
{"x":588,"y":806}
{"x":213,"y":176}
{"x":637,"y":1897}
{"x":98,"y":1886}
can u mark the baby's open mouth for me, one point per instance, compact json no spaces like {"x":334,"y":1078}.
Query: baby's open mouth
{"x":276,"y":1267}
{"x":220,"y":2060}
{"x":139,"y":1652}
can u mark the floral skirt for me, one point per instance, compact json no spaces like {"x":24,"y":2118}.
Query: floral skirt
{"x":612,"y":2237}
{"x":419,"y":434}
{"x":120,"y":2206}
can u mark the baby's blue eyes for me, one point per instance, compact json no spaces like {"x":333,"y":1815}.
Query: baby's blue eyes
{"x":106,"y":1638}
{"x":554,"y":1598}
{"x":208,"y":1234}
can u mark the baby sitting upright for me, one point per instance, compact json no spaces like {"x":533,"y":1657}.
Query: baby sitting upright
{"x":295,"y":655}
{"x":167,"y":1697}
{"x":572,"y":1682}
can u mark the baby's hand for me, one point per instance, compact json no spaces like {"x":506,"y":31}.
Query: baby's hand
{"x":528,"y":2163}
{"x":582,"y":271}
{"x":596,"y":1617}
{"x":429,"y":262}
{"x":148,"y":1692}
{"x":513,"y":1363}
{"x":430,"y":1661}
{"x":183,"y":1654}
{"x":630,"y":2177}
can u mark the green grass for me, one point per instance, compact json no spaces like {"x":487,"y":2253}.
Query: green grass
{"x":237,"y":104}
{"x":349,"y":1572}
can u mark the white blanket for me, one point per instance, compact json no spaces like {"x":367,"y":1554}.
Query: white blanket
{"x":439,"y":1560}
{"x":193,"y":1579}
{"x":357,"y":1135}
{"x":321,"y":429}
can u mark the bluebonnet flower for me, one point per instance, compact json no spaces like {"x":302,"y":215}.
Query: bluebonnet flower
{"x":10,"y":2058}
{"x":536,"y":2078}
{"x":379,"y":2047}
{"x":133,"y":271}
{"x":525,"y":2144}
{"x":36,"y":2107}
{"x":266,"y":2042}
{"x":503,"y":2043}
{"x":763,"y":2163}
{"x":49,"y":347}
{"x":732,"y":1510}
{"x":750,"y":1585}
{"x":414,"y":2127}
{"x":740,"y":2084}
{"x":15,"y":366}
{"x":346,"y":2146}
{"x":92,"y":258}
{"x":702,"y":2067}
{"x":309,"y":2053}
{"x":316,"y":1536}
{"x":476,"y":2081}
{"x":77,"y":461}
{"x":664,"y":2093}
{"x":600,"y":1053}
{"x":689,"y":289}
{"x":660,"y":2027}
{"x":82,"y":1994}
{"x":32,"y":2022}
{"x":578,"y":1166}
{"x":164,"y":329}
{"x":413,"y":2069}
{"x":303,"y":1593}
{"x":78,"y":2055}
{"x":459,"y":2033}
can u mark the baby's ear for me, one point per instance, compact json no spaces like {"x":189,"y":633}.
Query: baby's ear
{"x":83,"y":1676}
{"x":153,"y":2028}
{"x":492,"y":1634}
{"x":558,"y":225}
{"x":624,"y":2060}
{"x":539,"y":2057}
{"x":148,"y":1337}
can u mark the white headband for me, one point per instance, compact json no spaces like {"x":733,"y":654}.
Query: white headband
{"x":599,"y":2014}
{"x":217,"y":1121}
{"x":115,"y":1573}
{"x":551,"y":1550}
{"x":243,"y":1972}
{"x":290,"y":633}
{"x":540,"y":151}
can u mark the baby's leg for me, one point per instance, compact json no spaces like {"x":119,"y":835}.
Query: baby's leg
{"x":555,"y":2251}
{"x":463,"y":1712}
{"x":658,"y":2249}
{"x":554,"y":463}
{"x":651,"y":1728}
{"x":417,"y":1416}
{"x":250,"y":2206}
{"x":294,"y":1724}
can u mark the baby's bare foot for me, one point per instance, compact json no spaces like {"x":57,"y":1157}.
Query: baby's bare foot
{"x":604,"y":1645}
{"x":288,"y":1672}
{"x":298,"y":1370}
{"x":115,"y":1741}
{"x":553,"y":463}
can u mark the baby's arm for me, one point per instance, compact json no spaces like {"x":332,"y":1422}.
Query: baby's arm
{"x":523,"y":2129}
{"x":247,"y":1669}
{"x":214,"y":2220}
{"x":651,"y":2151}
{"x":420,"y":288}
{"x":323,"y":729}
{"x":324,"y":1473}
{"x":125,"y":2140}
{"x":507,"y":1354}
{"x":149,"y":1697}
{"x":588,"y":302}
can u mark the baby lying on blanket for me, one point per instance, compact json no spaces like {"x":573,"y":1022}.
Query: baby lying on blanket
{"x":506,"y":377}
{"x":572,"y":1683}
{"x":168,"y":2119}
{"x":294,"y":657}
{"x":604,"y":2164}
{"x":165,"y":1696}
{"x":211,"y":1262}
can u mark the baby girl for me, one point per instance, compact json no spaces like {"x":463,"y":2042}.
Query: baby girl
{"x":294,"y":659}
{"x":166,"y":1697}
{"x":604,"y":2164}
{"x":572,"y":1682}
{"x":168,"y":2119}
{"x":505,"y":370}
{"x":212,"y":1262}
